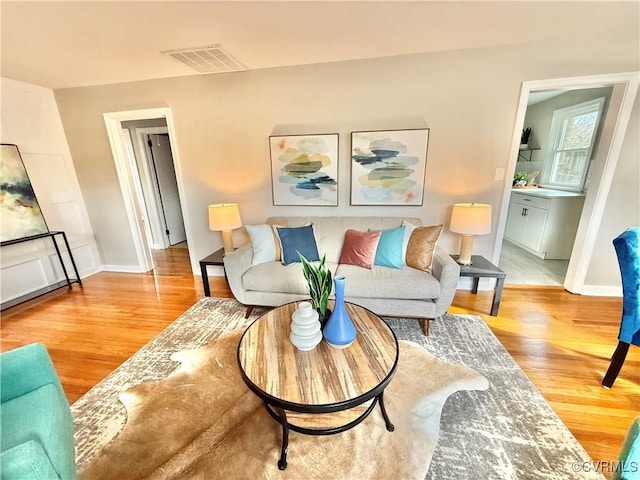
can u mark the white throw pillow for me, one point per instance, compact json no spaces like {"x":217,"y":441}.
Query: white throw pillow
{"x":408,"y":230}
{"x":263,"y":243}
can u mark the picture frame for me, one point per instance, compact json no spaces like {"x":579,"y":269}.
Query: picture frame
{"x":304,"y":169}
{"x":388,"y":167}
{"x":20,"y":213}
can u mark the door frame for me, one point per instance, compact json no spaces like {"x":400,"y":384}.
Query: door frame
{"x":130,"y":182}
{"x":596,"y":198}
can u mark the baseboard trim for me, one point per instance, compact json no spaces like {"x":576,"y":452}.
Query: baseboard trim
{"x":122,"y":269}
{"x":601,"y":291}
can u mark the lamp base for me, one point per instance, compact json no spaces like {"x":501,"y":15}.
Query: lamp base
{"x":465,"y":250}
{"x":227,"y":241}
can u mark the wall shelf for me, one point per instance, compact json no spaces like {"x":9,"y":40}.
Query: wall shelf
{"x":522,"y":153}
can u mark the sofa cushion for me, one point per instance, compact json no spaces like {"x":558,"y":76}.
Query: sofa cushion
{"x":359,"y":248}
{"x":275,"y":277}
{"x":389,"y":251}
{"x":294,"y":240}
{"x":421,"y":246}
{"x":383,"y":282}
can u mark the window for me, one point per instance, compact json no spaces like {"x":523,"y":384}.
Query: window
{"x":571,"y":140}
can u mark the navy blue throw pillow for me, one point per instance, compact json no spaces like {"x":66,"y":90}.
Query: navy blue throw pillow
{"x":297,"y":239}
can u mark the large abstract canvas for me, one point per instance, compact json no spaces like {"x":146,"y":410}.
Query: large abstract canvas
{"x":304,"y":169}
{"x":388,"y":167}
{"x":20,"y":214}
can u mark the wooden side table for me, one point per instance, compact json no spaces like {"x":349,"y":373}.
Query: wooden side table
{"x":482,"y":268}
{"x":217,"y":259}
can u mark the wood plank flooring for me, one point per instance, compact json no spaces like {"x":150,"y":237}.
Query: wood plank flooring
{"x":563,"y":342}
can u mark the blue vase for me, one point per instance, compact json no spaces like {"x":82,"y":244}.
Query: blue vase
{"x":339,"y":332}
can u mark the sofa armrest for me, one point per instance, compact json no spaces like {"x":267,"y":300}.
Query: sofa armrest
{"x":447,"y":271}
{"x":236,"y":264}
{"x":25,"y":369}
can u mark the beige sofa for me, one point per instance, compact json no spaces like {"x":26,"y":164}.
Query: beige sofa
{"x":406,"y":292}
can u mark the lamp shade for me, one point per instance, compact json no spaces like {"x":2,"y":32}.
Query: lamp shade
{"x":224,"y":216}
{"x":471,"y":218}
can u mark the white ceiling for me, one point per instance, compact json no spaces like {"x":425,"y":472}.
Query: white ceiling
{"x":78,"y":43}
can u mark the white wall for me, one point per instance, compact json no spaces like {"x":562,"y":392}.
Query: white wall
{"x":30,"y":119}
{"x":468,"y":98}
{"x":622,"y":211}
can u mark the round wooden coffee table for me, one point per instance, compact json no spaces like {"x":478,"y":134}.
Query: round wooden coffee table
{"x":322,"y":391}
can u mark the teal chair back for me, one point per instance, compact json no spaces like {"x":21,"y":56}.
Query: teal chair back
{"x":627,"y":246}
{"x":36,"y":427}
{"x":628,"y":467}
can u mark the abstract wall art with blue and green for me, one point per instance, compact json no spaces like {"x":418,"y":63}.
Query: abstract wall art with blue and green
{"x":20,"y":214}
{"x":388,"y":167}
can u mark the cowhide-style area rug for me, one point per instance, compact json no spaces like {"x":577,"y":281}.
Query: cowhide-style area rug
{"x":178,"y":409}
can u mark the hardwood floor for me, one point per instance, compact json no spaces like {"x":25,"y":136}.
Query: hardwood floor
{"x":563,"y":342}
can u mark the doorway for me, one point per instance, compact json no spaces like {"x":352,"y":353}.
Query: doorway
{"x":152,"y":187}
{"x":625,"y":86}
{"x":553,"y":168}
{"x":165,"y":188}
{"x":153,"y":158}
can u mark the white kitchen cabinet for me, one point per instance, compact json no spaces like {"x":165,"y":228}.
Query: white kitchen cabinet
{"x":545,"y":222}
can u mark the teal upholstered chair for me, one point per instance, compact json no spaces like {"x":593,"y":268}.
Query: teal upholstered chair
{"x":36,"y":428}
{"x":627,"y":246}
{"x":629,"y":458}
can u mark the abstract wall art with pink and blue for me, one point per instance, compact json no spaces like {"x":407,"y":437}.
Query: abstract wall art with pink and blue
{"x":304,"y":169}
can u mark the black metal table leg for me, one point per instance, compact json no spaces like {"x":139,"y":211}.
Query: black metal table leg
{"x":64,"y":269}
{"x":73,"y":262}
{"x":388,"y":423}
{"x":282,"y":463}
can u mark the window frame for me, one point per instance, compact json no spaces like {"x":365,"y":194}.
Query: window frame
{"x":560,"y":116}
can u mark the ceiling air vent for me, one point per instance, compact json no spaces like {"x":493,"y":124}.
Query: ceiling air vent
{"x":209,"y":59}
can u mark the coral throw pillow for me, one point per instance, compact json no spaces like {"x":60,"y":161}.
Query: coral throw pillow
{"x":421,"y":245}
{"x":359,"y":248}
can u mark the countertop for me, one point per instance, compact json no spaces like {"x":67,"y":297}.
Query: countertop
{"x":546,"y":192}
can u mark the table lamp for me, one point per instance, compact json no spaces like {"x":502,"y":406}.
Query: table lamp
{"x":470,"y":219}
{"x":225,"y":217}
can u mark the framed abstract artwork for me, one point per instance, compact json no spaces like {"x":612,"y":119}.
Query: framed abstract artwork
{"x":20,"y":214}
{"x":388,"y":167}
{"x":304,"y":169}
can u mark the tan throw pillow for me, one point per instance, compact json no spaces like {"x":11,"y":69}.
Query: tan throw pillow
{"x":421,"y":245}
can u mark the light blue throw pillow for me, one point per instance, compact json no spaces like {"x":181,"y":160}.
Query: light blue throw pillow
{"x":298,"y":239}
{"x":389,"y":252}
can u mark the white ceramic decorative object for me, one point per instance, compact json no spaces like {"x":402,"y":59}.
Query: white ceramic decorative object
{"x":305,"y":327}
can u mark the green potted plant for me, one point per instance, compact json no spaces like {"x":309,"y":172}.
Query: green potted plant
{"x":520,"y":179}
{"x":320,"y":283}
{"x":524,"y":138}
